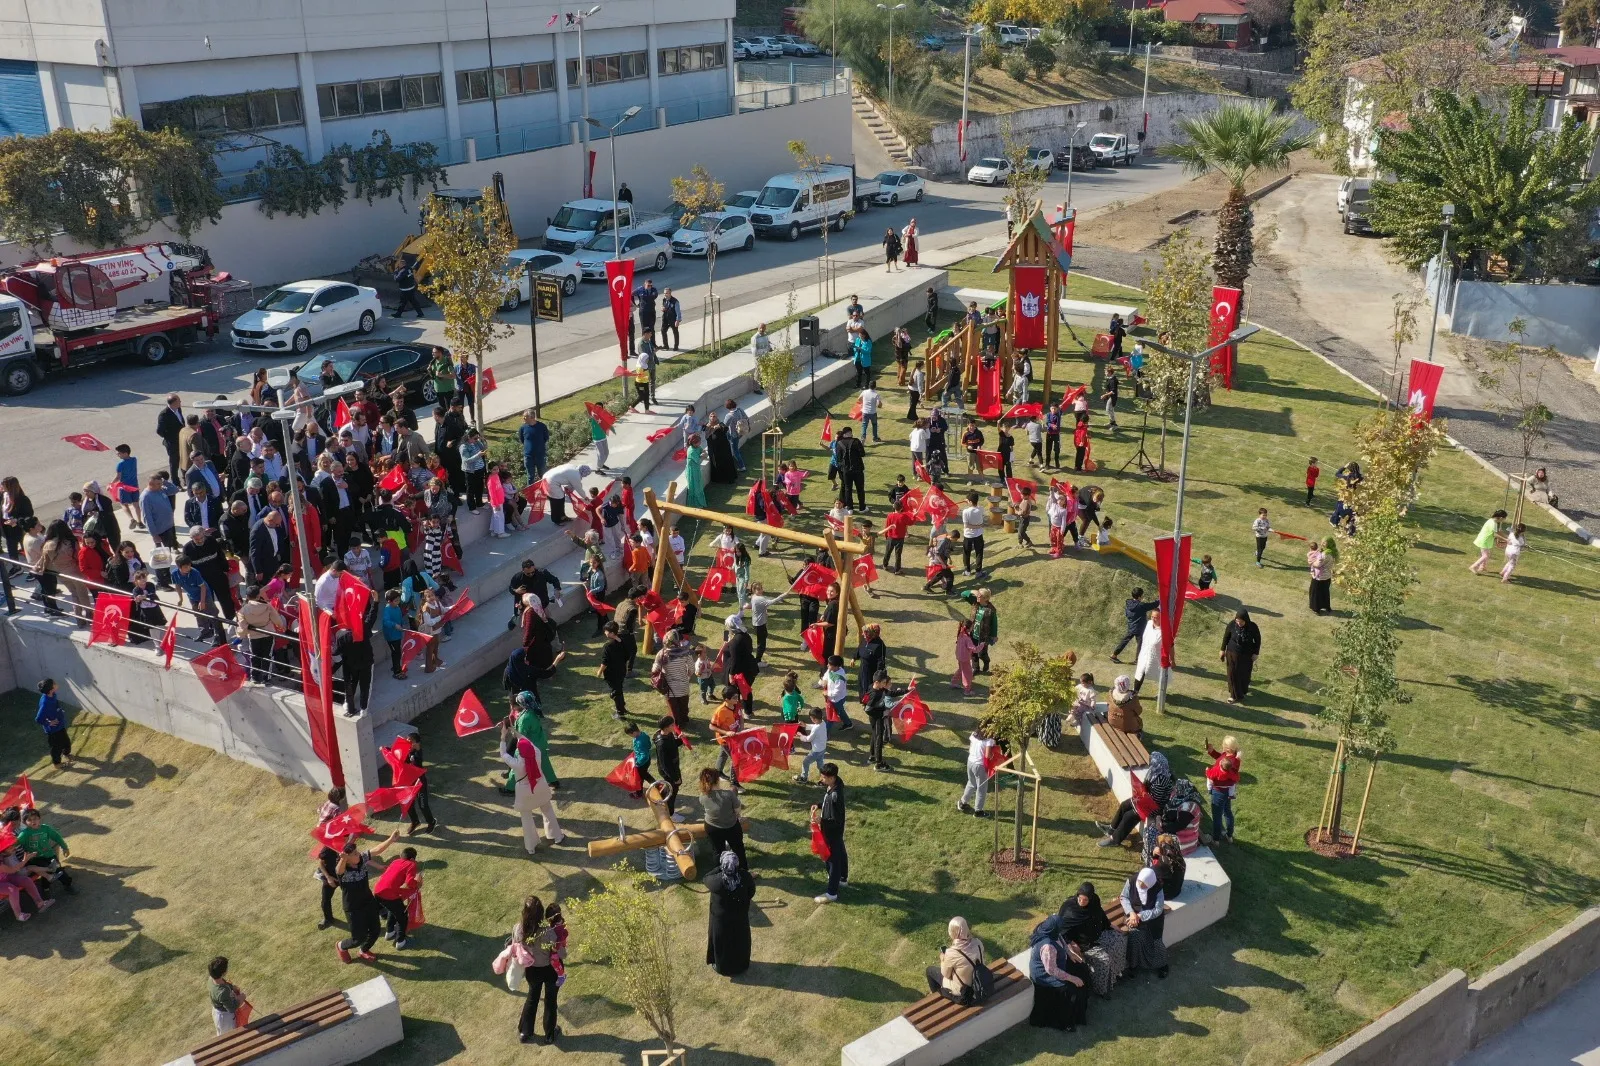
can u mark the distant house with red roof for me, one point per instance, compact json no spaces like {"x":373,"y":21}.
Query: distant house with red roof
{"x":1229,"y":19}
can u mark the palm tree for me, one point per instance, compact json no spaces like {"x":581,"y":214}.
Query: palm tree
{"x":1237,"y":141}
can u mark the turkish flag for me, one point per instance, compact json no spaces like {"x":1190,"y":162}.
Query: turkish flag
{"x":855,"y":411}
{"x":219,"y":672}
{"x":619,"y":279}
{"x":680,"y":455}
{"x":835,"y":524}
{"x":1015,"y":485}
{"x":537,"y":495}
{"x":937,"y":507}
{"x":751,"y":754}
{"x":169,"y":641}
{"x":1023,"y":411}
{"x":87,"y":441}
{"x":659,"y":434}
{"x":819,"y":843}
{"x":350,"y":822}
{"x":316,"y":679}
{"x":412,"y":644}
{"x":350,"y":609}
{"x":666,"y":616}
{"x":111,"y":613}
{"x":991,"y":461}
{"x":864,"y":571}
{"x":1144,"y":804}
{"x":921,"y":470}
{"x":403,"y":773}
{"x":489,"y":383}
{"x":450,"y":557}
{"x":470,"y":716}
{"x":1028,"y":309}
{"x":341,"y":414}
{"x":827,"y":429}
{"x":780,"y":740}
{"x":911,"y":503}
{"x":459,"y":608}
{"x":1224,"y":320}
{"x":992,"y":758}
{"x":392,"y":481}
{"x":626,"y":775}
{"x":1171,"y":610}
{"x":813,"y":638}
{"x":600,"y":606}
{"x":1423,"y":388}
{"x":381,"y":799}
{"x":18,"y":795}
{"x":604,"y":418}
{"x":909,"y":714}
{"x":814,"y":581}
{"x":716,"y":580}
{"x":774,"y":511}
{"x":961,"y":146}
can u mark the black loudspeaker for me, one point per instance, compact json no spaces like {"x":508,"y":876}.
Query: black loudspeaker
{"x":810,"y":331}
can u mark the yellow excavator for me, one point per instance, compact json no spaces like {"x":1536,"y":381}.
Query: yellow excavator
{"x":413,"y":247}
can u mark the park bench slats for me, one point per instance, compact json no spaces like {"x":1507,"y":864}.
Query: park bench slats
{"x":270,"y":1032}
{"x":933,"y":1014}
{"x":1129,"y":752}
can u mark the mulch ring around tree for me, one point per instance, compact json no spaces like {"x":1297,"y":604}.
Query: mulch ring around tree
{"x":1013,"y":866}
{"x":1327,"y":847}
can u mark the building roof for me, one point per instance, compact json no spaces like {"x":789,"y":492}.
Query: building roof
{"x":1573,"y":55}
{"x":1192,"y":10}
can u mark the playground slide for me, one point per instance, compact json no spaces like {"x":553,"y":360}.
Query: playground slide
{"x":989,"y":392}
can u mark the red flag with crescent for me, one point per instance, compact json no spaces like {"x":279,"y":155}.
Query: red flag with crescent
{"x":111,"y":613}
{"x":470,"y":716}
{"x":393,"y":480}
{"x":605,"y":419}
{"x":18,"y":795}
{"x":460,"y":607}
{"x":921,"y":470}
{"x":350,"y":822}
{"x":665,"y":616}
{"x":600,"y":606}
{"x":716,"y":580}
{"x":780,"y":740}
{"x":1224,"y":320}
{"x":350,"y":610}
{"x":316,"y":673}
{"x":626,"y":775}
{"x":87,"y":441}
{"x":911,"y":502}
{"x":403,"y":796}
{"x":827,"y":429}
{"x":909,"y":714}
{"x":537,"y":495}
{"x":1023,"y":411}
{"x":1169,"y":563}
{"x":1015,"y":485}
{"x":396,"y":755}
{"x":936,"y":506}
{"x":619,"y":279}
{"x":774,"y":512}
{"x":449,"y":556}
{"x":814,"y":581}
{"x":864,"y":571}
{"x":660,"y":434}
{"x":412,"y":644}
{"x":341,"y":414}
{"x":219,"y":672}
{"x":992,"y":758}
{"x":813,"y":637}
{"x":751,"y":754}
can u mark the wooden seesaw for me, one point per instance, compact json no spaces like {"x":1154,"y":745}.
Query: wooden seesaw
{"x":677,"y":839}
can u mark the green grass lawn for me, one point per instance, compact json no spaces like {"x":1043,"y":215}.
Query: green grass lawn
{"x":994,"y":92}
{"x":1476,"y":842}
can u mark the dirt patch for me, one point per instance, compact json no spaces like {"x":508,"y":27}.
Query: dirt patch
{"x":1141,"y":224}
{"x":1014,"y":866}
{"x":1328,"y":848}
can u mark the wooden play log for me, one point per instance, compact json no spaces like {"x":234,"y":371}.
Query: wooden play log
{"x":677,"y":839}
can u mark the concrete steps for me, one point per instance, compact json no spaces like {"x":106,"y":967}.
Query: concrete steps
{"x":880,"y":127}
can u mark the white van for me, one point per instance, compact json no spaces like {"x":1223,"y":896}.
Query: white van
{"x":805,"y":200}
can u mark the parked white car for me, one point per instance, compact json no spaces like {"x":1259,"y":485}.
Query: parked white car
{"x":897,"y":185}
{"x":990,"y":171}
{"x":742,"y":201}
{"x":531,"y":261}
{"x":1041,"y":160}
{"x":297,"y":315}
{"x":741,"y":49}
{"x":1344,"y":194}
{"x":764,"y":47}
{"x":649,"y":251}
{"x":729,"y":230}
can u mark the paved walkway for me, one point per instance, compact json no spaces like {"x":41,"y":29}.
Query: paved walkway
{"x":1564,"y":1033}
{"x":1334,"y":293}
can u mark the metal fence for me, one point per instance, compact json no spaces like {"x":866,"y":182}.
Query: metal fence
{"x":783,"y":71}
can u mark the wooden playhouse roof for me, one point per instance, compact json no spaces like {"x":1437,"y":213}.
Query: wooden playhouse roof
{"x":1033,"y":244}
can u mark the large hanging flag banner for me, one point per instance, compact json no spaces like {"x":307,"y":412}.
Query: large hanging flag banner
{"x":1423,"y":389}
{"x":1224,"y":320}
{"x":619,"y":278}
{"x":1027,"y":319}
{"x":316,"y":673}
{"x":1171,"y":610}
{"x":111,"y":613}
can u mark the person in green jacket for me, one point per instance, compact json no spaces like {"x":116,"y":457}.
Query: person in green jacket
{"x":1485,"y":539}
{"x":530,"y":724}
{"x":985,"y":625}
{"x":793,"y":701}
{"x":602,"y":448}
{"x":47,"y":845}
{"x":443,"y":372}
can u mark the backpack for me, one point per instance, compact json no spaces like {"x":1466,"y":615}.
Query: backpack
{"x":982,"y":986}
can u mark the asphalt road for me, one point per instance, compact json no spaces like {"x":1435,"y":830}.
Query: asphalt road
{"x":118,"y":402}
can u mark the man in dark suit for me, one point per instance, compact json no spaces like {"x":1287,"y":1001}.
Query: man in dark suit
{"x":269,"y":546}
{"x":203,"y":509}
{"x":201,"y":472}
{"x":169,"y":423}
{"x":235,"y":531}
{"x":239,"y":465}
{"x":253,"y":495}
{"x":447,"y":434}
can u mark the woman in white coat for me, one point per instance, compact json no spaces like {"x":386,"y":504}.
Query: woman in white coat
{"x":534,"y":796}
{"x":1149,"y":651}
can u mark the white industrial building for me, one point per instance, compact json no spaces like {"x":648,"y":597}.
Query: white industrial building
{"x":318,"y":73}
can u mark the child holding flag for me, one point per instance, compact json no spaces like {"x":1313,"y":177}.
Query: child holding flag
{"x":979,"y":751}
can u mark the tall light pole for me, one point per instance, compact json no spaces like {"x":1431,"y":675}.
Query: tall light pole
{"x":1144,"y":99}
{"x":616,"y":211}
{"x":1449,"y":213}
{"x":833,"y":53}
{"x":891,"y":11}
{"x":1072,"y":151}
{"x":1194,"y":361}
{"x":580,"y":18}
{"x":966,"y":82}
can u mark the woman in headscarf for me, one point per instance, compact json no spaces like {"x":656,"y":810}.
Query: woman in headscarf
{"x":1123,"y":710}
{"x":957,"y":973}
{"x":1158,"y":785}
{"x":1145,"y":906}
{"x":694,"y":486}
{"x":532,"y":788}
{"x":1084,"y":922}
{"x":530,"y":724}
{"x":1320,"y":560}
{"x":1170,"y":865}
{"x":719,"y":447}
{"x":1060,"y":978}
{"x":1241,"y":643}
{"x":728,"y":936}
{"x":739,"y":659}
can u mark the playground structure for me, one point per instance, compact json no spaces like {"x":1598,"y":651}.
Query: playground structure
{"x":677,"y":839}
{"x":841,"y":550}
{"x":1113,"y":545}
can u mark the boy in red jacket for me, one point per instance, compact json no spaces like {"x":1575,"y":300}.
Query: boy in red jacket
{"x":1313,"y":471}
{"x":1222,"y":778}
{"x":895,"y":526}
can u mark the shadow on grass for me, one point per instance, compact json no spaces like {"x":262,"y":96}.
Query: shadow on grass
{"x":103,"y":911}
{"x":428,"y":1043}
{"x":842,"y":981}
{"x":630,"y":1050}
{"x":1538,"y":700}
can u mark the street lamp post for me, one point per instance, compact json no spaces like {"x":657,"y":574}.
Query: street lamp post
{"x":1194,"y":361}
{"x":616,"y":208}
{"x":580,"y":18}
{"x":1449,"y":213}
{"x":891,"y":11}
{"x":1071,"y":152}
{"x":966,"y":81}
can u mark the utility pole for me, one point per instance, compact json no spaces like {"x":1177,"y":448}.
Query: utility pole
{"x":1449,"y":213}
{"x":966,"y":82}
{"x":1144,"y":99}
{"x":580,"y":18}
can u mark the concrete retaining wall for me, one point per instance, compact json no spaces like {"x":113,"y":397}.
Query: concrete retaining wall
{"x":741,"y":150}
{"x":1429,"y":1029}
{"x":1564,"y":316}
{"x":1513,"y":990}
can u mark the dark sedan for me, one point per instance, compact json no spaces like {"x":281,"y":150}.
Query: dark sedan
{"x":399,"y":363}
{"x":1079,"y":155}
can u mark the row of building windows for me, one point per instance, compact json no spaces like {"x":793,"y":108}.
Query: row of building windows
{"x":281,"y":107}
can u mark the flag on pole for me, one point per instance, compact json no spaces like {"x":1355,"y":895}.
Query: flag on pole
{"x":1168,"y":563}
{"x":827,"y":429}
{"x":470,"y":716}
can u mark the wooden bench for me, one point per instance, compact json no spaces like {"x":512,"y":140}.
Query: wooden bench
{"x":1127,"y":749}
{"x":934,"y":1015}
{"x":1117,"y":755}
{"x":273,"y":1031}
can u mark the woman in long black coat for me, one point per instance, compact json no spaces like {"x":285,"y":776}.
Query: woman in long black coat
{"x":1241,"y":643}
{"x":719,"y":446}
{"x":728,"y":935}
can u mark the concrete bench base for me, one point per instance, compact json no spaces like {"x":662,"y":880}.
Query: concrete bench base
{"x":375,"y":1026}
{"x":899,"y":1044}
{"x":1117,"y":779}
